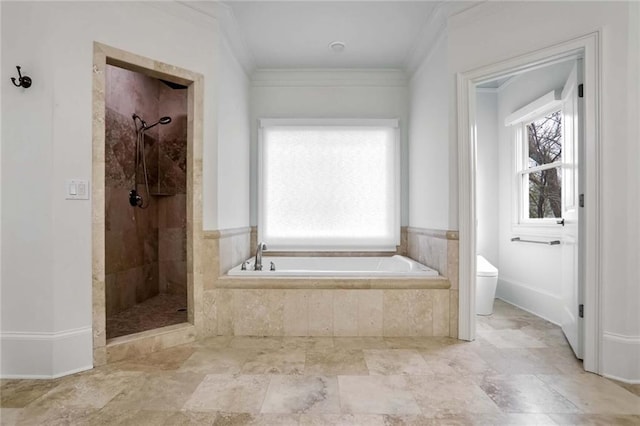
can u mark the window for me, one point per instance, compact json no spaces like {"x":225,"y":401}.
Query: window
{"x":538,"y":135}
{"x":541,"y":167}
{"x":329,"y":185}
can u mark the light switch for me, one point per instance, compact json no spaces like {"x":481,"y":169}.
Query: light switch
{"x":77,"y":189}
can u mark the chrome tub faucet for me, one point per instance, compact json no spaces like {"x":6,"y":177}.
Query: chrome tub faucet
{"x":258,"y":263}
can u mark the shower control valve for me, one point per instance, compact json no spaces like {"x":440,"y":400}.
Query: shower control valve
{"x":134,"y":199}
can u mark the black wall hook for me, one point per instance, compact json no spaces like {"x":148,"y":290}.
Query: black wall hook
{"x":23,"y":81}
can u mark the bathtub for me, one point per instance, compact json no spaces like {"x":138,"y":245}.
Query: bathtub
{"x":334,"y":296}
{"x":394,"y":266}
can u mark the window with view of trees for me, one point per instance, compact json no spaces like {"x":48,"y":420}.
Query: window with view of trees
{"x":541,"y":170}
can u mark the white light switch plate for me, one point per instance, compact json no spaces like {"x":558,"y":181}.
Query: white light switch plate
{"x":76,"y":189}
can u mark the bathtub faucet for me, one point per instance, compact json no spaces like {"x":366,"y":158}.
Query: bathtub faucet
{"x":258,"y":264}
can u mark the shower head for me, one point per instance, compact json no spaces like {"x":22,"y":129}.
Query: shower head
{"x":144,"y":126}
{"x":163,"y":120}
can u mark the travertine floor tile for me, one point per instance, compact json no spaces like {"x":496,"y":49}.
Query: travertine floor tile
{"x":191,"y":418}
{"x":246,"y":419}
{"x":334,"y":362}
{"x":55,"y":416}
{"x":525,"y":394}
{"x":257,"y":343}
{"x":216,"y":361}
{"x":359,"y":343}
{"x":9,"y":416}
{"x":19,"y":393}
{"x":339,"y":381}
{"x":175,"y":388}
{"x":510,"y":339}
{"x":92,"y":390}
{"x":511,"y":419}
{"x":302,"y":394}
{"x":343,"y":420}
{"x":517,"y":361}
{"x":591,"y":394}
{"x":596,"y":419}
{"x":307,"y":343}
{"x":282,"y":361}
{"x":231,"y":393}
{"x":388,"y":362}
{"x":376,"y":395}
{"x":456,"y":360}
{"x":440,"y":396}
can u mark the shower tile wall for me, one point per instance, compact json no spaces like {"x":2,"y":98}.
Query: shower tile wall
{"x":172,"y":184}
{"x":145,"y":248}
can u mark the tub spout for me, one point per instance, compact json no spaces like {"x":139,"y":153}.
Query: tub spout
{"x":258,"y":264}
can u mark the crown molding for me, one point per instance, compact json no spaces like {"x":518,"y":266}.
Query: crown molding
{"x":329,"y":78}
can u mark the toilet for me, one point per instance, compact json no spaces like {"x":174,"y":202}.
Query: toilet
{"x":486,"y":283}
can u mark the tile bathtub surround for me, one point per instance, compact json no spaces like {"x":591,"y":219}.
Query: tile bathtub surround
{"x":332,"y":312}
{"x":438,"y":249}
{"x":337,"y":380}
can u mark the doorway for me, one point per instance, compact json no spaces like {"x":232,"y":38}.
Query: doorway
{"x":585,"y":48}
{"x":145,"y":202}
{"x":528,"y":130}
{"x":136,"y":229}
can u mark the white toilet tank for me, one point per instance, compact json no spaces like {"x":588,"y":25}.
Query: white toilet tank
{"x":486,"y":283}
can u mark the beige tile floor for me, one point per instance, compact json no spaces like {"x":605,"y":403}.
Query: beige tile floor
{"x":519,"y":371}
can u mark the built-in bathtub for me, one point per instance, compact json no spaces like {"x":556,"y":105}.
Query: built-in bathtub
{"x":365,"y":267}
{"x":334,"y":296}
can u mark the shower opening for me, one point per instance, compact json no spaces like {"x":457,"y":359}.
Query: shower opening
{"x":145,"y":202}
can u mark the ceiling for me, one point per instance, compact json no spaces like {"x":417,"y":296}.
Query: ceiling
{"x":296,"y":34}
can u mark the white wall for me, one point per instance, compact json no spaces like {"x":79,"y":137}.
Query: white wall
{"x":492,"y":32}
{"x":46,"y":138}
{"x":329,"y":94}
{"x":487,"y":175}
{"x":233,"y":143}
{"x":429,"y":200}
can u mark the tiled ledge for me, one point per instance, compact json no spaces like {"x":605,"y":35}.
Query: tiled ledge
{"x":223,"y":233}
{"x":325,"y":283}
{"x":437,"y":233}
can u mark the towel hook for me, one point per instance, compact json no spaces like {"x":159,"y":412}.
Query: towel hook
{"x":23,"y":81}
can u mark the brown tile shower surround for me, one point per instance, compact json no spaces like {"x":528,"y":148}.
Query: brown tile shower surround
{"x":519,"y":371}
{"x":145,"y":249}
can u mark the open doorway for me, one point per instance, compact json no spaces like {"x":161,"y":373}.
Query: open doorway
{"x":145,"y":202}
{"x":527,"y":189}
{"x":588,"y":274}
{"x":145,"y":112}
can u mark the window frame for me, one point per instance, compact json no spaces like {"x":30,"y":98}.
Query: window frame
{"x":391,"y":123}
{"x":522,"y":224}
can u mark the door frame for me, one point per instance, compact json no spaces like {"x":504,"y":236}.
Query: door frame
{"x":590,"y":49}
{"x":104,"y":55}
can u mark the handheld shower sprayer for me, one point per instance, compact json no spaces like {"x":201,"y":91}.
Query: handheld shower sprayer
{"x":141,"y":127}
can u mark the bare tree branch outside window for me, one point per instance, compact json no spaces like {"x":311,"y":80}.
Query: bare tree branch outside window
{"x":545,"y":147}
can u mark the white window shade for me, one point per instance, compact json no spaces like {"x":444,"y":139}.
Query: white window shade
{"x":329,"y":187}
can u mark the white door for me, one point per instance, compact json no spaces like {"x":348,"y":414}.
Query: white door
{"x":571,"y":271}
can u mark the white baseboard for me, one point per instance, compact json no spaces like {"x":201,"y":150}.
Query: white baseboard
{"x":621,"y":357}
{"x":45,"y":355}
{"x":539,"y":303}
